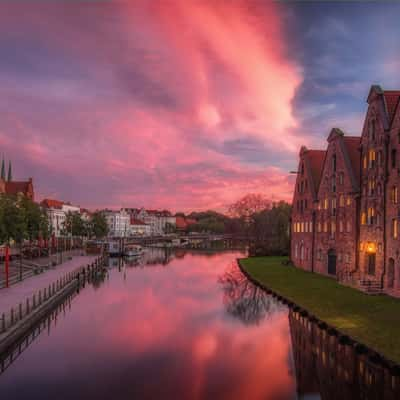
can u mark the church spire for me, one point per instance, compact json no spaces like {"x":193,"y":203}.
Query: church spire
{"x":9,"y":177}
{"x":3,"y":170}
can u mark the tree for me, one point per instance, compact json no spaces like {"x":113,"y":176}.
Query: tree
{"x":12,"y":222}
{"x":74,"y":225}
{"x":35,"y":219}
{"x":249,"y":205}
{"x":99,"y":226}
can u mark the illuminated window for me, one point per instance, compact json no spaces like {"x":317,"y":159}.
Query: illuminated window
{"x":341,"y":201}
{"x":371,"y":215}
{"x":333,"y":206}
{"x":340,"y":226}
{"x":348,"y":201}
{"x":326,"y":203}
{"x":394,"y":228}
{"x":372,"y":158}
{"x":365,"y":162}
{"x":363,"y":218}
{"x":393,"y":195}
{"x":325,"y":227}
{"x":310,"y":227}
{"x":319,"y":227}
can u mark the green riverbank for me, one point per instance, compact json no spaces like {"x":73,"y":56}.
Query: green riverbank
{"x":372,"y":320}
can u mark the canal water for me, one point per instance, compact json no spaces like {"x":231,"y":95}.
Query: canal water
{"x":181,"y":324}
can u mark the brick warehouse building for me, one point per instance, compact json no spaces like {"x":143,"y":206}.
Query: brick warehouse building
{"x":346,"y":204}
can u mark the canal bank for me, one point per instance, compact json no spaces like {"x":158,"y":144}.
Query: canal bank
{"x":363,"y":320}
{"x":26,"y":303}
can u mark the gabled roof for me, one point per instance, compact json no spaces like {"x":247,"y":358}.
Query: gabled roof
{"x":392,"y":98}
{"x":16,"y":187}
{"x":316,"y":161}
{"x":352,"y":144}
{"x":50,"y":203}
{"x":135,"y":221}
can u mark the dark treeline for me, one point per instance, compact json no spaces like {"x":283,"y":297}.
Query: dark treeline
{"x":264,"y":223}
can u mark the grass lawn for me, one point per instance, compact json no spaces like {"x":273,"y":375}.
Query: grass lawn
{"x":372,"y":320}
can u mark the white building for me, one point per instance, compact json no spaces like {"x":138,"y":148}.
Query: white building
{"x":57,"y":212}
{"x":118,"y":223}
{"x":139,"y":228}
{"x":157,"y":220}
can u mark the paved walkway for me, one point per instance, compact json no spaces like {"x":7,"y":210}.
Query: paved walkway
{"x":19,"y":292}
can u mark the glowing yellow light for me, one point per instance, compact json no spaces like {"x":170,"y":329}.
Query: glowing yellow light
{"x":371,"y":248}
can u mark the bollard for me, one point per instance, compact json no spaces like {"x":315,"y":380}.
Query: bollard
{"x":27,"y":306}
{"x":34,"y":301}
{"x":40,"y":297}
{"x":3,"y":322}
{"x":49,"y":291}
{"x":44,"y":294}
{"x":12,"y":316}
{"x":20,"y":311}
{"x":54,"y":287}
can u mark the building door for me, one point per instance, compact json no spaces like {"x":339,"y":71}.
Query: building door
{"x":371,"y":259}
{"x":331,"y":262}
{"x":391,"y":273}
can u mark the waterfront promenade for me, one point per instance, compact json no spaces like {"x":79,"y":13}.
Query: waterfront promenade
{"x":19,"y":292}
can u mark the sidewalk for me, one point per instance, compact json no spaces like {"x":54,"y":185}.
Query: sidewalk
{"x":27,"y":267}
{"x":19,"y":292}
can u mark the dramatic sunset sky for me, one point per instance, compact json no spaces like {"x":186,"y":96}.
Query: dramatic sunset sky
{"x":182,"y":104}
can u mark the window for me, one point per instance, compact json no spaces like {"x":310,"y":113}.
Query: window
{"x":348,"y":201}
{"x":393,"y":158}
{"x":341,"y":178}
{"x":319,"y":227}
{"x":348,"y":226}
{"x":302,"y":169}
{"x":325,"y":227}
{"x":371,"y":186}
{"x":340,"y":226}
{"x":372,"y":158}
{"x":371,"y":129}
{"x":333,"y":205}
{"x":341,"y":201}
{"x":325,"y":203}
{"x":371,"y":215}
{"x":365,"y":162}
{"x":363,"y":218}
{"x":334,"y":163}
{"x":398,"y":138}
{"x":393,"y":195}
{"x":295,"y":250}
{"x":333,"y":184}
{"x":394,"y":228}
{"x":310,"y":227}
{"x":347,"y":257}
{"x":340,"y":257}
{"x":333,"y":229}
{"x":305,"y":204}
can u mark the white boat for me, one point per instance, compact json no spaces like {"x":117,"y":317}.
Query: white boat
{"x":133,"y":251}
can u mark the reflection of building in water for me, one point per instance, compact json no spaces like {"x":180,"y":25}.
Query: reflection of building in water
{"x":327,"y":369}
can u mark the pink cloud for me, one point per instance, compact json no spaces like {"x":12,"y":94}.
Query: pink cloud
{"x":157,"y":94}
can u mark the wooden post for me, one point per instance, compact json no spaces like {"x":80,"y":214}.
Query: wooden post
{"x":34,"y":301}
{"x":3,"y":322}
{"x":27,"y":306}
{"x":12,"y":316}
{"x":20,"y":311}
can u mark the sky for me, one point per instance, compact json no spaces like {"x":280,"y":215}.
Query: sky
{"x":183,"y":104}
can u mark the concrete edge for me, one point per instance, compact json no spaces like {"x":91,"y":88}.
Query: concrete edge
{"x":372,"y":354}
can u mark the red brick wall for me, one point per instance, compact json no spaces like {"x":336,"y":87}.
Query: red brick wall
{"x":372,"y":231}
{"x":301,"y":226}
{"x":392,"y":276}
{"x":336,"y":221}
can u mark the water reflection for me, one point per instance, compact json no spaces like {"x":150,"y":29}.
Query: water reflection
{"x":157,"y":333}
{"x":244,"y":300}
{"x":328,"y":368}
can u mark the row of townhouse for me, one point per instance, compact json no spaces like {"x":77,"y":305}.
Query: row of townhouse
{"x":346,"y":205}
{"x":57,"y":213}
{"x":133,"y":222}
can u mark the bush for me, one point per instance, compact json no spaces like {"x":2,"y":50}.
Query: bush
{"x":266,"y":249}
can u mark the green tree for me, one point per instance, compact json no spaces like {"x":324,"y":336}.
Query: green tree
{"x":99,"y":227}
{"x":35,"y":219}
{"x":74,"y":225}
{"x":12,"y":222}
